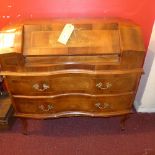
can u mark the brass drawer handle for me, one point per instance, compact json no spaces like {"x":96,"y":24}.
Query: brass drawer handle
{"x":103,"y":106}
{"x":43,"y":108}
{"x":100,"y":85}
{"x":42,"y":87}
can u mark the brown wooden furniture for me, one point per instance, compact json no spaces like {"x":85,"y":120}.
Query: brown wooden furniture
{"x":6,"y":112}
{"x":95,"y":74}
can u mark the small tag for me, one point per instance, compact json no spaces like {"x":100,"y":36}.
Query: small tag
{"x":66,"y":33}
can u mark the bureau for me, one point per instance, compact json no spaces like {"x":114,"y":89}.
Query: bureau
{"x":95,"y":74}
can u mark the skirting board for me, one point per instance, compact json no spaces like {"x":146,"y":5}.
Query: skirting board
{"x":142,"y":109}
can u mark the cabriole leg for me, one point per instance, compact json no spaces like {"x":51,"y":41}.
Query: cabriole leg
{"x":123,"y":120}
{"x":24,"y":126}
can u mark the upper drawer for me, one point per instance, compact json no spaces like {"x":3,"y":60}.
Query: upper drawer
{"x":73,"y":83}
{"x":87,"y":38}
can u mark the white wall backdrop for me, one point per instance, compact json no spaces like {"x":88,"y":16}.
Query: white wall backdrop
{"x":145,"y":98}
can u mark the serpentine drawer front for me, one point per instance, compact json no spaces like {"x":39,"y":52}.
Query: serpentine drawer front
{"x":69,"y":83}
{"x":74,"y":103}
{"x":95,"y":74}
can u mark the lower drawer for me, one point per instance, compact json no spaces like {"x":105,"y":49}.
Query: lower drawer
{"x":72,"y":104}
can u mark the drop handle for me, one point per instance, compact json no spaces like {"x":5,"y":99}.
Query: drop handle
{"x":103,"y":106}
{"x":46,"y":109}
{"x":107,"y":85}
{"x":41,"y":87}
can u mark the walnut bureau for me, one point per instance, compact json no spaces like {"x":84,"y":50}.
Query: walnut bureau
{"x":95,"y":74}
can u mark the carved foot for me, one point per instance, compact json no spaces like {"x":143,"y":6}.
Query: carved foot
{"x":122,"y":122}
{"x":24,"y":126}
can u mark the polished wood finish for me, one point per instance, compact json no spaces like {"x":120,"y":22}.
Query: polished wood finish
{"x":6,"y":112}
{"x":95,"y":74}
{"x":73,"y":82}
{"x":39,"y":39}
{"x":77,"y":103}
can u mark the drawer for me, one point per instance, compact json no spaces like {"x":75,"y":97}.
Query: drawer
{"x":73,"y":104}
{"x":116,"y":83}
{"x":39,"y":61}
{"x":50,"y":84}
{"x":73,"y":83}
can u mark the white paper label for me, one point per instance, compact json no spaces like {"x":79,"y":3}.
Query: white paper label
{"x":66,"y":33}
